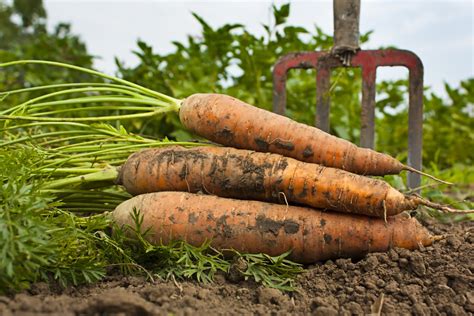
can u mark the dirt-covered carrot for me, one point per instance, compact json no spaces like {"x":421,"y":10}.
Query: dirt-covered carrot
{"x":245,"y":174}
{"x":231,"y":122}
{"x":259,"y":227}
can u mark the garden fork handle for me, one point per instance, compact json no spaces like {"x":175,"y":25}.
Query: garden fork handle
{"x":346,"y":29}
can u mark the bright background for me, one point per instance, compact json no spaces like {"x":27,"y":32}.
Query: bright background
{"x":440,"y":32}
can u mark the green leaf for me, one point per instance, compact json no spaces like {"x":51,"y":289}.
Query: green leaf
{"x":281,"y":14}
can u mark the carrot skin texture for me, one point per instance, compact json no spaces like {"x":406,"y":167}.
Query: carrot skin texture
{"x":245,"y":174}
{"x":231,"y":122}
{"x":260,"y":227}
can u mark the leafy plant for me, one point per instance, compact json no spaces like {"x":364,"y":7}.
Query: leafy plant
{"x":38,"y":241}
{"x":30,"y":39}
{"x":277,"y":272}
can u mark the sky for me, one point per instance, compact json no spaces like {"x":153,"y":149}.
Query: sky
{"x":440,"y":32}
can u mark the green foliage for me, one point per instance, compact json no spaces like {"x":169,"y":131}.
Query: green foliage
{"x":460,"y":196}
{"x":277,"y":272}
{"x":448,"y":129}
{"x":29,"y":11}
{"x":23,"y":237}
{"x":447,"y":124}
{"x":38,"y":241}
{"x":31,"y":40}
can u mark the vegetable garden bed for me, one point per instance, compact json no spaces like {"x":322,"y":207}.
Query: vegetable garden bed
{"x":141,"y":236}
{"x":436,"y":280}
{"x":65,"y":149}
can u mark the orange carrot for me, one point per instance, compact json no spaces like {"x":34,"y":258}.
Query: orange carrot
{"x":259,"y":227}
{"x":245,"y":174}
{"x":231,"y":122}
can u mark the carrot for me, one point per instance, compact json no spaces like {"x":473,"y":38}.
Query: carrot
{"x":259,"y":227}
{"x":231,"y":122}
{"x":245,"y":174}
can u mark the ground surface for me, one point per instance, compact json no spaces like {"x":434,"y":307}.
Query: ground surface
{"x":437,"y":280}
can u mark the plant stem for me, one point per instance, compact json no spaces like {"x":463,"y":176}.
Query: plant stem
{"x":108,"y":174}
{"x":88,"y":210}
{"x":67,"y":139}
{"x":115,"y":152}
{"x":70,"y":170}
{"x":95,"y":73}
{"x":69,"y":91}
{"x":94,"y":108}
{"x":79,"y":148}
{"x":36,"y":124}
{"x":96,"y":204}
{"x":85,"y":119}
{"x":44,"y":135}
{"x":67,"y":85}
{"x":87,"y":193}
{"x":102,"y":98}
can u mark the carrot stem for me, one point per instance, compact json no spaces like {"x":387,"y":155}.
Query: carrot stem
{"x":94,"y":73}
{"x":101,"y":98}
{"x":84,"y":119}
{"x":36,"y":124}
{"x":70,"y":171}
{"x":106,"y":174}
{"x":67,"y":85}
{"x":31,"y":102}
{"x":31,"y":137}
{"x":94,"y":108}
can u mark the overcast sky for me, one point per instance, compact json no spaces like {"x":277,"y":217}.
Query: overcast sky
{"x":440,"y":32}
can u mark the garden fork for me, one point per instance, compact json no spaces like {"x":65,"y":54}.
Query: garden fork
{"x":346,"y":53}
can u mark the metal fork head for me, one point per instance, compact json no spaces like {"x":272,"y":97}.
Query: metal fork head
{"x":368,"y":61}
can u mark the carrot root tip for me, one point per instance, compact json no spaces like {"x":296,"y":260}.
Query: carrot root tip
{"x":411,"y":169}
{"x":444,"y":208}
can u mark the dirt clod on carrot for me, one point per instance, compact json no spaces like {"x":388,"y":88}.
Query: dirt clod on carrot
{"x":260,"y":227}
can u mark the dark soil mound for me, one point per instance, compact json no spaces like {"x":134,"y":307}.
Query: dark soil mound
{"x":437,"y":280}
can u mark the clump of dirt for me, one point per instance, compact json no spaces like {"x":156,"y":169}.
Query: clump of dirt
{"x":436,"y":280}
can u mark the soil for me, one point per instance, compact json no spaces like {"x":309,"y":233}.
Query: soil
{"x":436,"y":280}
